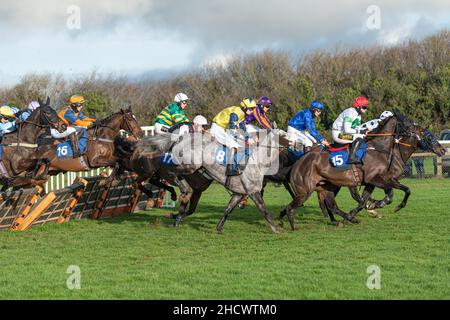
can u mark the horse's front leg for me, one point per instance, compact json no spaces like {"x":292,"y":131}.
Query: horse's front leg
{"x":156,"y":182}
{"x":368,"y":189}
{"x":259,"y":202}
{"x":397,"y":185}
{"x":375,"y":204}
{"x":235,"y":198}
{"x":40,"y":172}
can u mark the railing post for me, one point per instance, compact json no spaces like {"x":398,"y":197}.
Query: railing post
{"x":439,"y":167}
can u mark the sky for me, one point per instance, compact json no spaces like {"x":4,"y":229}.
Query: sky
{"x":135,"y":37}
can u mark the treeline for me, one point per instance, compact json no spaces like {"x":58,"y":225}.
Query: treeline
{"x":414,"y":77}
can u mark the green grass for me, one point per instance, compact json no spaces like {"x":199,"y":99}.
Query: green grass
{"x":143,"y":257}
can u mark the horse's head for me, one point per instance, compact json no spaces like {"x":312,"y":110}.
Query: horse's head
{"x":130,"y":124}
{"x":49,"y":117}
{"x":420,"y":136}
{"x":428,"y":142}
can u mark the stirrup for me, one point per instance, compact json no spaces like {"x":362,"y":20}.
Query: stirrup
{"x":77,"y":154}
{"x":354,"y":161}
{"x":230,"y":171}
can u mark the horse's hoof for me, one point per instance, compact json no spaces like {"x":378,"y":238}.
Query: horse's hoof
{"x":340,"y":224}
{"x":219,"y":230}
{"x":374,"y":214}
{"x":170,"y":215}
{"x":275,"y":229}
{"x":398,"y":208}
{"x":173,"y":198}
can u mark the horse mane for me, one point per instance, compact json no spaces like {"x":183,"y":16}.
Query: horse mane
{"x":161,"y":142}
{"x":108,"y":118}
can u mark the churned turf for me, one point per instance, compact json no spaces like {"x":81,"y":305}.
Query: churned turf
{"x":142,"y":256}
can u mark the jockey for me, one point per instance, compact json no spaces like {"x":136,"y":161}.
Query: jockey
{"x":200,"y":124}
{"x":172,"y":114}
{"x":224,"y":128}
{"x":347,"y":127}
{"x":25,"y":114}
{"x":75,"y":121}
{"x":8,"y":119}
{"x":303,"y":128}
{"x":259,"y":115}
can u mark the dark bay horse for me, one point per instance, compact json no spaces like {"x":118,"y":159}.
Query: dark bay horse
{"x":100,"y":145}
{"x":148,"y":166}
{"x":427,"y":143}
{"x":20,"y":147}
{"x":388,"y":149}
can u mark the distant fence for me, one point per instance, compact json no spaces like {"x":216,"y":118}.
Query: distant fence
{"x":427,"y":164}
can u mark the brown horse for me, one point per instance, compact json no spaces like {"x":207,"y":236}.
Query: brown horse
{"x":100,"y":145}
{"x":20,"y":146}
{"x":388,"y":149}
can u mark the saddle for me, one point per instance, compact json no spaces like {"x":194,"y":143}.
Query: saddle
{"x":339,"y":154}
{"x":223,"y":153}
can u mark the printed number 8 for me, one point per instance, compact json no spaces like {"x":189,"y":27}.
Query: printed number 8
{"x":220,"y":156}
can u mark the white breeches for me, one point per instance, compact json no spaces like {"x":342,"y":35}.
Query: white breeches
{"x":304,"y":137}
{"x":224,"y":137}
{"x":159,"y":127}
{"x":335,"y":134}
{"x":59,"y":135}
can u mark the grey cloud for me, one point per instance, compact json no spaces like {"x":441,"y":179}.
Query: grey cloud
{"x":247,"y":25}
{"x":222,"y":27}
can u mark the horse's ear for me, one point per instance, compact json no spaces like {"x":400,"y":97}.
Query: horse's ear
{"x":40,"y":101}
{"x":121,"y":110}
{"x":399,"y":115}
{"x":129,"y":108}
{"x":47,"y":103}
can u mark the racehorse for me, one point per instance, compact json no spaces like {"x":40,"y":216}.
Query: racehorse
{"x":19,"y":147}
{"x":100,"y":145}
{"x":148,"y":166}
{"x":428,"y":143}
{"x":388,"y":149}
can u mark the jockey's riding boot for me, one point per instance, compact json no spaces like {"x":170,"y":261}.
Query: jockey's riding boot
{"x":75,"y":145}
{"x":243,"y":165}
{"x":353,"y":158}
{"x":232,"y":170}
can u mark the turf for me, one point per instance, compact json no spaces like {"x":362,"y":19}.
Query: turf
{"x":142,"y":256}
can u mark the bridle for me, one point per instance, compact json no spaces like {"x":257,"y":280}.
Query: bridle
{"x":43,"y":115}
{"x":125,"y":122}
{"x":400,"y":132}
{"x":128,"y":126}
